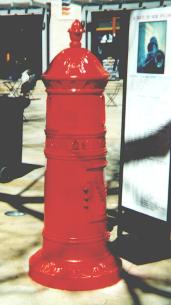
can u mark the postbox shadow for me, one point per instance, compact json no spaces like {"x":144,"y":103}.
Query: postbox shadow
{"x":134,"y":282}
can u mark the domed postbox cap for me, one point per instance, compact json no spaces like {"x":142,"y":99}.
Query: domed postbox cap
{"x":75,"y":63}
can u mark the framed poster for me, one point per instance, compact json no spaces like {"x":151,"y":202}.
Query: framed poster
{"x":147,"y":119}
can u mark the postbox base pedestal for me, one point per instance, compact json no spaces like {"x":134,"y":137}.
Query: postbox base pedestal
{"x":74,"y":276}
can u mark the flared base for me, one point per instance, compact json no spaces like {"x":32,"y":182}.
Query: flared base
{"x":74,"y":275}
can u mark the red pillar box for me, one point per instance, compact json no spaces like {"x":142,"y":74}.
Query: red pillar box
{"x":74,"y":255}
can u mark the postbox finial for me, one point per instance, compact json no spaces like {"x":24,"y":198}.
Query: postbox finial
{"x":75,"y":32}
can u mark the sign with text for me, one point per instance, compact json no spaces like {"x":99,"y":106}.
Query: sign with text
{"x":68,"y":10}
{"x":147,"y":135}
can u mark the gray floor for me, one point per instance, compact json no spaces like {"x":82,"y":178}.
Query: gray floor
{"x":147,"y":284}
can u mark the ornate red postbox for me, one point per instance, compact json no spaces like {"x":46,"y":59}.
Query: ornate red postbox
{"x":74,"y":255}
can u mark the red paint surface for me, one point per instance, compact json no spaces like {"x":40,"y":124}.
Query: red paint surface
{"x":74,"y":255}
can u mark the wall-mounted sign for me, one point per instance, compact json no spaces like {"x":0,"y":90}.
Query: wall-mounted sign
{"x":68,"y":10}
{"x":66,"y":7}
{"x":147,"y":135}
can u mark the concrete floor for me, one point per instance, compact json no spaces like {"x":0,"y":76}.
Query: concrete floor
{"x":148,"y":284}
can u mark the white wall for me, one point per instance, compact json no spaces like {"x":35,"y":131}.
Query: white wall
{"x":59,"y":36}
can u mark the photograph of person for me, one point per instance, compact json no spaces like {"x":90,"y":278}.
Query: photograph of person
{"x":151,"y":47}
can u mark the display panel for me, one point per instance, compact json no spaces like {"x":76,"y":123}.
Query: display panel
{"x":147,"y":133}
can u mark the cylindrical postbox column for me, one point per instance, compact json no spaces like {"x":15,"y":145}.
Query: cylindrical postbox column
{"x":74,"y":255}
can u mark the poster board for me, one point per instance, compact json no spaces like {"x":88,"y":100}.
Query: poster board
{"x":147,"y":130}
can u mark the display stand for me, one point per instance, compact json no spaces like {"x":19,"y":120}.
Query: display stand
{"x":144,"y":201}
